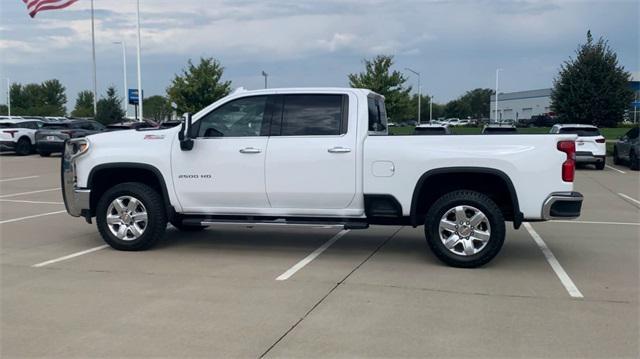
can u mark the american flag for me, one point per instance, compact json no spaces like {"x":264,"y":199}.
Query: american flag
{"x":35,"y":6}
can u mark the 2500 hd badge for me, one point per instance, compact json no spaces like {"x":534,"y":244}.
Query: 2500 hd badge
{"x":195,"y":176}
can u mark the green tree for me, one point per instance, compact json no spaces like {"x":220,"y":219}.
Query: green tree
{"x":379,"y":78}
{"x":46,"y":99}
{"x":4,"y":110}
{"x":198,"y":86}
{"x":477,"y":102}
{"x":592,"y":88}
{"x":157,"y":107}
{"x":84,"y":104}
{"x":110,"y":108}
{"x":457,"y":108}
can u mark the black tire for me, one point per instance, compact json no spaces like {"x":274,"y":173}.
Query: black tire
{"x":616,"y":160}
{"x":44,"y":154}
{"x":469,"y":198}
{"x":155,"y":226}
{"x":634,"y":161}
{"x":177,"y":223}
{"x":600,"y":165}
{"x":23,"y":146}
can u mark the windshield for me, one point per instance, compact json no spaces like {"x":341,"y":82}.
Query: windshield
{"x":581,"y":131}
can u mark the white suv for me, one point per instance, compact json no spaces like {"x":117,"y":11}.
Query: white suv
{"x":590,"y":144}
{"x":18,"y":134}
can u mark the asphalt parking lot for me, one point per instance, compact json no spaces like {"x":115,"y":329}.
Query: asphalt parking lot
{"x":249,"y":292}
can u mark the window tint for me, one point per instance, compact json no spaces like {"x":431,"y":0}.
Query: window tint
{"x":96,"y":126}
{"x":377,"y":116}
{"x":7,"y":125}
{"x":633,"y":133}
{"x":239,"y":118}
{"x":581,"y":132}
{"x":54,"y":126}
{"x":313,"y":115}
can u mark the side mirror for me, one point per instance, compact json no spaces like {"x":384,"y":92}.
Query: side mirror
{"x":185,"y":136}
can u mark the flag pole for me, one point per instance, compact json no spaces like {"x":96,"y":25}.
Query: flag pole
{"x":93,"y":48}
{"x":140,"y":97}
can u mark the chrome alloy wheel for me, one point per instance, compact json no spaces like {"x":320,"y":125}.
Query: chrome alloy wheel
{"x":464,"y":230}
{"x":127,"y":218}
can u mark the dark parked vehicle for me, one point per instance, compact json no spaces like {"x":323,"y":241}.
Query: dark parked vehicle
{"x":539,"y":121}
{"x":51,"y":137}
{"x":627,"y":149}
{"x":499,"y":130}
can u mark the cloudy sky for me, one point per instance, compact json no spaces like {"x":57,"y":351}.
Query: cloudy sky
{"x":456,"y":44}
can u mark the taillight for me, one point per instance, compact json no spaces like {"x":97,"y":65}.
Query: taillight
{"x":569,"y":165}
{"x":600,"y":140}
{"x":12,"y":132}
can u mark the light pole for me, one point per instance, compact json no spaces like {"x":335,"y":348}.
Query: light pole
{"x":496,"y":109}
{"x":140,"y":97}
{"x":265,"y":78}
{"x":419,"y":90}
{"x":9,"y":98}
{"x":430,"y":109}
{"x":93,"y":49}
{"x":124,"y":72}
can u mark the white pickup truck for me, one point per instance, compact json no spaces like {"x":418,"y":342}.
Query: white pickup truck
{"x":317,"y":157}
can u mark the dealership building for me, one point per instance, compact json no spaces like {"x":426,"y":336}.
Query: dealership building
{"x":521,"y":105}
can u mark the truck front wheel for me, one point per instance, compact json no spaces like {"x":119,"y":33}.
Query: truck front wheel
{"x":465,"y":229}
{"x":131,"y":216}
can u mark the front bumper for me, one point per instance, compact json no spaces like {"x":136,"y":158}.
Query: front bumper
{"x":588,"y":157}
{"x":562,"y":205}
{"x":53,"y":146}
{"x":7,"y":145}
{"x":77,"y":201}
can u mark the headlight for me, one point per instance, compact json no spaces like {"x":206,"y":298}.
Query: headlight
{"x":77,"y":147}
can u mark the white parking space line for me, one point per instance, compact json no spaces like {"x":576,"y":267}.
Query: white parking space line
{"x":555,"y":265}
{"x":72,"y":255}
{"x":633,"y":200}
{"x":30,"y":217}
{"x":615,"y":169}
{"x":34,"y":202}
{"x":595,"y":222}
{"x":17,"y":178}
{"x":31,"y":192}
{"x":291,"y":271}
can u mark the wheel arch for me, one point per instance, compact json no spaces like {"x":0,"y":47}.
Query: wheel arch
{"x":446,"y":179}
{"x":120,"y":172}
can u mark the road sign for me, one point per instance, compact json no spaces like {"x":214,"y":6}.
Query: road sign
{"x":134,"y":99}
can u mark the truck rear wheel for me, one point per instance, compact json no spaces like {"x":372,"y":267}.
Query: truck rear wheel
{"x":131,"y":216}
{"x":465,"y":229}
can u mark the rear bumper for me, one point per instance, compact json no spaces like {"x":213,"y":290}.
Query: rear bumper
{"x":562,"y":205}
{"x":44,"y":146}
{"x":7,"y":145}
{"x":77,"y":201}
{"x":588,"y":157}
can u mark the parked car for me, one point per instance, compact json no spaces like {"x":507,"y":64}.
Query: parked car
{"x":499,"y":130}
{"x":542,"y":121}
{"x":130,"y":125}
{"x":591,"y":146}
{"x":452,"y":121}
{"x":329,"y":162}
{"x":18,"y":135}
{"x":627,"y":149}
{"x":426,"y":130}
{"x":50,"y":138}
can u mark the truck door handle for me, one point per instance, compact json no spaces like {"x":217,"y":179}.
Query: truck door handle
{"x":339,"y":149}
{"x":250,"y":150}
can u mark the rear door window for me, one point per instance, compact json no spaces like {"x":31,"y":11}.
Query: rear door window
{"x":314,"y":115}
{"x":377,"y":116}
